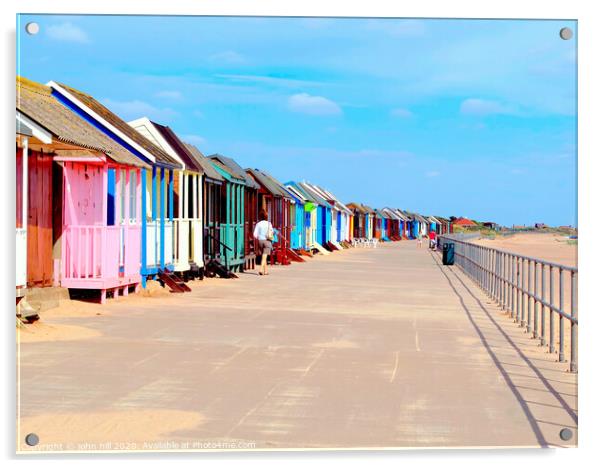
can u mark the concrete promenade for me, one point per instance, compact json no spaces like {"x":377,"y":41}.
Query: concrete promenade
{"x":376,"y":347}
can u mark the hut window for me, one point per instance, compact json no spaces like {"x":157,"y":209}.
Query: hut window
{"x":122,"y":195}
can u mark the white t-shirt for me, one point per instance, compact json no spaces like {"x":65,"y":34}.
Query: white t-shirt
{"x":261,"y":230}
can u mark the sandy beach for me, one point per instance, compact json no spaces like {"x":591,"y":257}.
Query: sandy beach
{"x":551,"y":247}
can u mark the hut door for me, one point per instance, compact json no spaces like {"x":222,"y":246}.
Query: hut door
{"x":39,"y":220}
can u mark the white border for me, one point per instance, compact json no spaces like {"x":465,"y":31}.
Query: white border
{"x":590,"y":196}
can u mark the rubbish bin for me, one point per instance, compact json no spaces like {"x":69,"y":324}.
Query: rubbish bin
{"x":448,"y":253}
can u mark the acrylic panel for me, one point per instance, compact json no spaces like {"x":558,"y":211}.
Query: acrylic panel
{"x":415,"y":285}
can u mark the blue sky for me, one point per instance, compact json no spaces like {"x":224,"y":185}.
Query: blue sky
{"x":446,"y":117}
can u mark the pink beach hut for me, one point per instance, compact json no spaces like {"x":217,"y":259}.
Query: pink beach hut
{"x":95,"y":192}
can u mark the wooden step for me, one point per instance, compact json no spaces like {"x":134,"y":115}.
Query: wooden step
{"x":173,"y":282}
{"x":213,"y":268}
{"x":294,"y":256}
{"x":320,"y":249}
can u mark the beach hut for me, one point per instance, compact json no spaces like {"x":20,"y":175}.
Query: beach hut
{"x":344,"y":215}
{"x":83,"y":203}
{"x":395,"y":224}
{"x":310,"y":224}
{"x":156,"y":183}
{"x":229,"y":228}
{"x":188,"y":198}
{"x":298,"y":217}
{"x":212,"y":214}
{"x":380,"y":225}
{"x":369,"y":222}
{"x":404,"y":223}
{"x":324,"y":216}
{"x":434,"y":225}
{"x":358,"y":226}
{"x":276,"y":201}
{"x":251,"y":209}
{"x":338,"y":213}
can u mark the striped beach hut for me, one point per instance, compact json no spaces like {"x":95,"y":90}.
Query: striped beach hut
{"x":370,"y":214}
{"x":404,"y":223}
{"x":212,"y":213}
{"x":156,"y":183}
{"x":250,"y":211}
{"x":229,"y":228}
{"x":380,"y":225}
{"x":310,"y":224}
{"x":276,"y":201}
{"x":338,"y":213}
{"x":188,"y":197}
{"x":395,"y":224}
{"x":358,"y":225}
{"x":81,"y":199}
{"x":324,"y":216}
{"x":344,"y":215}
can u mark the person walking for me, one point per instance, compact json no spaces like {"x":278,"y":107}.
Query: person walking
{"x":419,"y":240}
{"x":432,"y":240}
{"x":264,"y":233}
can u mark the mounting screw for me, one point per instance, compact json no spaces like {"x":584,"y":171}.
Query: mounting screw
{"x":566,"y":33}
{"x":566,"y":434}
{"x":32,"y":439}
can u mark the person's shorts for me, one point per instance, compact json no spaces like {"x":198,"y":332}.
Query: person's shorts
{"x":265,"y":247}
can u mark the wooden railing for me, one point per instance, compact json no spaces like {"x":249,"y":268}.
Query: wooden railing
{"x":96,"y":252}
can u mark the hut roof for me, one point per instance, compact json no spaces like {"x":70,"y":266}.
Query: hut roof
{"x":178,"y":146}
{"x":303,"y":191}
{"x":320,"y":200}
{"x":269,"y":183}
{"x":235,"y":169}
{"x":35,"y":101}
{"x":356,"y":207}
{"x":208,"y":168}
{"x":115,"y":121}
{"x":464,"y":222}
{"x":328,"y":196}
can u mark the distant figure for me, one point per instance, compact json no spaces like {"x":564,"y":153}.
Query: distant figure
{"x":264,"y":233}
{"x":419,"y":240}
{"x":432,"y":240}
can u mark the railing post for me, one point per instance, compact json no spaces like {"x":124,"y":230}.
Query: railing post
{"x":535,"y":301}
{"x":542,"y":334}
{"x":512,"y":288}
{"x":560,"y":316}
{"x":573,"y":364}
{"x":551,"y":337}
{"x":522,"y":293}
{"x":529,"y":293}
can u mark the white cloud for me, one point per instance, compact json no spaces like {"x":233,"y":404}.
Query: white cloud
{"x":400,"y":112}
{"x":169,"y":94}
{"x":432,"y":174}
{"x":196,"y":140}
{"x":67,"y":32}
{"x":474,"y":106}
{"x":313,"y":105}
{"x":129,"y":110}
{"x":228,"y":57}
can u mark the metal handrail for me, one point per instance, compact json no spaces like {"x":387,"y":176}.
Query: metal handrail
{"x":518,"y":284}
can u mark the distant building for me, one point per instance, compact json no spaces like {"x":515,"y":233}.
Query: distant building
{"x":540,"y":225}
{"x":464,"y":222}
{"x":491,"y":225}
